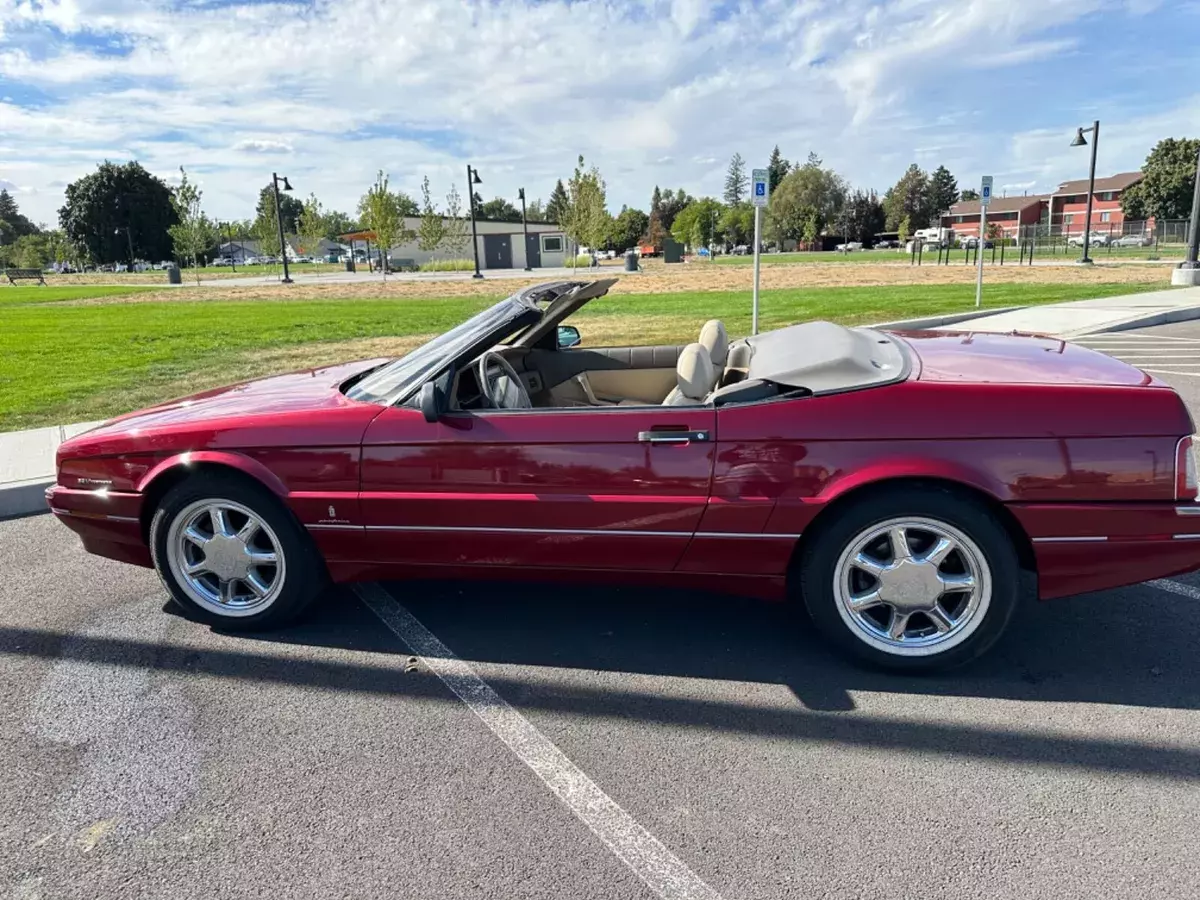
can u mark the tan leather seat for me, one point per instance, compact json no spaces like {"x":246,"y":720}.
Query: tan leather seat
{"x":715,"y":339}
{"x":695,"y":377}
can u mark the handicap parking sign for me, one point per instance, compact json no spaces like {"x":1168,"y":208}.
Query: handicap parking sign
{"x":761,"y":191}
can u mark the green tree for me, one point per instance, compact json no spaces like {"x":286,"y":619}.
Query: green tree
{"x":311,"y":225}
{"x":942,"y":192}
{"x":806,"y":194}
{"x":862,"y":217}
{"x":458,"y":225}
{"x":499,"y":210}
{"x":382,"y":211}
{"x":194,"y":234}
{"x":556,"y":208}
{"x":737,"y":223}
{"x":12,"y":224}
{"x":586,"y":221}
{"x":289,"y":210}
{"x":968,"y":194}
{"x":905,"y":229}
{"x":432,"y":230}
{"x":671,"y":204}
{"x":736,"y":181}
{"x":101,"y":206}
{"x":777,"y":169}
{"x":908,"y":197}
{"x":535,"y":211}
{"x":337,"y":224}
{"x":628,"y":228}
{"x":697,"y":225}
{"x":1165,"y":191}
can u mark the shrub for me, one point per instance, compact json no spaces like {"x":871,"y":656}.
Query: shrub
{"x":448,"y":265}
{"x":582,"y":261}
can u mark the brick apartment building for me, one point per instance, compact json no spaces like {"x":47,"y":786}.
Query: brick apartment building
{"x":1067,"y":207}
{"x":1009,"y":213}
{"x":1064,"y":210}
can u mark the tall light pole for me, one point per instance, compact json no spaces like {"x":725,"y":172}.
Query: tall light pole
{"x":1188,"y":272}
{"x":1081,"y":141}
{"x":129,"y":238}
{"x":232,"y":255}
{"x":279,"y":221}
{"x":524,"y":228}
{"x":472,"y":180}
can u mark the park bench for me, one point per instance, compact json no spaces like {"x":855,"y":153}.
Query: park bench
{"x":15,"y":275}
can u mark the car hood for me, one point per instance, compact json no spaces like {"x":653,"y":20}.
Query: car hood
{"x":986,"y":358}
{"x":249,"y":405}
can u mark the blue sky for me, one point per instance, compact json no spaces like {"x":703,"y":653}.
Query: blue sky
{"x":652,"y":91}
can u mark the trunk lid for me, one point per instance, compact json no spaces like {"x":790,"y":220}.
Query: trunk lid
{"x":985,"y":358}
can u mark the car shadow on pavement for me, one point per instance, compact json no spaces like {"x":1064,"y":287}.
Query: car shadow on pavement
{"x":1089,"y":650}
{"x":1133,"y":647}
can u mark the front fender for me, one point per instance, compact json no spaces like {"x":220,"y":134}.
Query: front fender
{"x":193,"y":458}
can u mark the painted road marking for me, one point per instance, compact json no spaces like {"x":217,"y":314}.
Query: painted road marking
{"x":1176,"y":587}
{"x":662,"y":871}
{"x":1160,"y":355}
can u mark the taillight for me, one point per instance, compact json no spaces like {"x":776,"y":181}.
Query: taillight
{"x":1187,"y":484}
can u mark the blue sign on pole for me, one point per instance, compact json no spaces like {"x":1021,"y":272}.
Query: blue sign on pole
{"x":760,"y":190}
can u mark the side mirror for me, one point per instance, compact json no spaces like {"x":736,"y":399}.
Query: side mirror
{"x":568,"y":336}
{"x":431,"y":402}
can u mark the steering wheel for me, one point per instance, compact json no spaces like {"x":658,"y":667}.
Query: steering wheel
{"x":502,"y":390}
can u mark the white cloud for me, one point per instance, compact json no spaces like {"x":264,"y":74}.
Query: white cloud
{"x":262,"y":146}
{"x":657,"y":91}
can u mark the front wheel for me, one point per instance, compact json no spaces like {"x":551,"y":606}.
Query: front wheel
{"x":912,"y":579}
{"x":230,"y":554}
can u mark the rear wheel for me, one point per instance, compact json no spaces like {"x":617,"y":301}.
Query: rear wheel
{"x":230,"y":554}
{"x":915,"y":578}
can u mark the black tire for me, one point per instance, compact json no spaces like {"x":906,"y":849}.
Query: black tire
{"x":303,"y":574}
{"x":816,"y":573}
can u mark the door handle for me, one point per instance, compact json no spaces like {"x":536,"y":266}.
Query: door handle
{"x":672,"y":437}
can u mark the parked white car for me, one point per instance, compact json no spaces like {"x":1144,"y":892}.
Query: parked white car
{"x":849,"y":246}
{"x":1097,"y":239}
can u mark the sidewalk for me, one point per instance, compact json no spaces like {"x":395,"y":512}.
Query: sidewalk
{"x":27,"y":466}
{"x":1080,"y":317}
{"x":27,"y":457}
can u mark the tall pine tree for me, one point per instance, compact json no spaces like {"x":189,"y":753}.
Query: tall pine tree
{"x":777,"y":168}
{"x":12,"y":223}
{"x":736,"y":181}
{"x":556,"y":206}
{"x":942,"y":191}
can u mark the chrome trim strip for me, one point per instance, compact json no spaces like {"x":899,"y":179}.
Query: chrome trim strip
{"x":1069,"y":540}
{"x":81,"y":514}
{"x":735,"y":534}
{"x":1188,"y":510}
{"x":579,"y":531}
{"x":1186,"y":537}
{"x":498,"y":530}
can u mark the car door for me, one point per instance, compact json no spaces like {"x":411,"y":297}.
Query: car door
{"x":562,"y":488}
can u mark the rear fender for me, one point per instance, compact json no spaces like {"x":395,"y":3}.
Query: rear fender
{"x":908,"y":468}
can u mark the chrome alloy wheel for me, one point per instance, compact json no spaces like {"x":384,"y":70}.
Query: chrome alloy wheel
{"x":225,"y":557}
{"x":912,"y":586}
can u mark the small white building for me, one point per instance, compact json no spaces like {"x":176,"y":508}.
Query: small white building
{"x":501,"y":245}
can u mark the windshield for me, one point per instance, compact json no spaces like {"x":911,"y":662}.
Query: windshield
{"x":396,"y":380}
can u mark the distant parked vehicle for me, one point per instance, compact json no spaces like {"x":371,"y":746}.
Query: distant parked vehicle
{"x":969,"y":243}
{"x":1097,"y":239}
{"x":1133,"y":240}
{"x":849,"y":246}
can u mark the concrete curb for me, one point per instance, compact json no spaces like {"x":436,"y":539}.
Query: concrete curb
{"x":1170,"y":317}
{"x":938,"y":321}
{"x":24,"y":498}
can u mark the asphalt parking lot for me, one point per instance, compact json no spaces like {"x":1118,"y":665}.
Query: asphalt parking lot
{"x":582,"y":742}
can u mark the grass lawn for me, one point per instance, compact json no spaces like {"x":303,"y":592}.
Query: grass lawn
{"x":13,"y":296}
{"x":63,"y":364}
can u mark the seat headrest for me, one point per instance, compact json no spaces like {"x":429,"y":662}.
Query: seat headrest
{"x":695,"y":373}
{"x":715,"y":340}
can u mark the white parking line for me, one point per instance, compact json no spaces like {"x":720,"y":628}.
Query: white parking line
{"x":1176,"y":587}
{"x":662,"y":871}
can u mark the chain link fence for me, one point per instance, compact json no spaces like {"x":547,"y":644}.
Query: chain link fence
{"x":1151,"y":240}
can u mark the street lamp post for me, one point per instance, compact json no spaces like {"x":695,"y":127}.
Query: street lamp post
{"x":279,"y":221}
{"x":524,"y":228}
{"x":232,"y":255}
{"x":129,"y":238}
{"x":1194,"y":239}
{"x":1081,"y":141}
{"x":472,"y":180}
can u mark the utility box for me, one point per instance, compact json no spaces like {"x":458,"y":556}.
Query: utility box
{"x":672,"y":251}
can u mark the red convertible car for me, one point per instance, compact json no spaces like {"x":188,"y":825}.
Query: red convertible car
{"x":910,"y":489}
